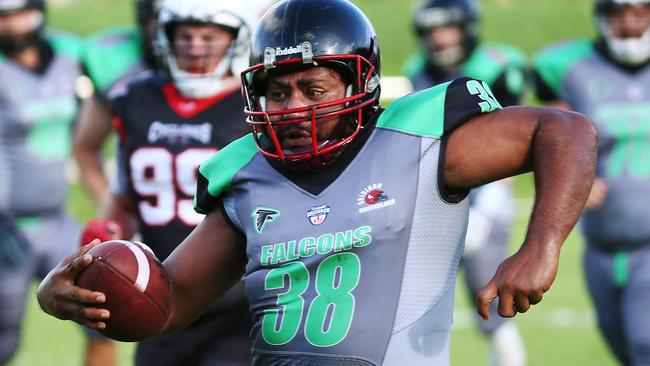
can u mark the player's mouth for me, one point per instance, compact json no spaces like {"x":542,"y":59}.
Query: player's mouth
{"x":294,"y":137}
{"x":297,"y":140}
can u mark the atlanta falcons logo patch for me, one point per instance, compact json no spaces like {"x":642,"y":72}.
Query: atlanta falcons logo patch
{"x":262,"y":216}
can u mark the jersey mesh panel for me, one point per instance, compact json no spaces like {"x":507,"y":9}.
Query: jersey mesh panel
{"x":430,"y":267}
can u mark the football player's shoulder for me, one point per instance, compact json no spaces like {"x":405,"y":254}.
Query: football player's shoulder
{"x":139,"y":83}
{"x":413,"y":65}
{"x":63,"y":42}
{"x":110,"y":36}
{"x":217,"y":174}
{"x":488,"y":61}
{"x":553,"y":62}
{"x":563,"y":54}
{"x":435,"y":111}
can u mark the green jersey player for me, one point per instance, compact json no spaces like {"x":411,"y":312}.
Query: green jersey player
{"x":39,"y":69}
{"x":347,"y":220}
{"x":607,"y":80}
{"x":450,"y":47}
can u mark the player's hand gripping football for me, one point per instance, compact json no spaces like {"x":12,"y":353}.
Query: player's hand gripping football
{"x":520,"y":281}
{"x":58,"y":295}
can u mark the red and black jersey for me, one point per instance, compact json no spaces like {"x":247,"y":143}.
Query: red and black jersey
{"x":163,"y":138}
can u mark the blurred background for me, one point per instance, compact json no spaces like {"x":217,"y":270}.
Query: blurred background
{"x":559,"y":331}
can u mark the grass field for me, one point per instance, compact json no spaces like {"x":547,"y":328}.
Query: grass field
{"x":559,"y":331}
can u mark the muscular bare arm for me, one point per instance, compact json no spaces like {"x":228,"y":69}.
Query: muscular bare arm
{"x":92,"y":130}
{"x":203,"y":267}
{"x":560,"y":148}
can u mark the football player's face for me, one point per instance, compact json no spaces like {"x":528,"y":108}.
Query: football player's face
{"x":442,"y":38}
{"x":20,"y":23}
{"x":629,"y":21}
{"x":299,"y":89}
{"x":200,"y":47}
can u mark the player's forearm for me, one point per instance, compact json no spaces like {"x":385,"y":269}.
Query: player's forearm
{"x":564,"y":160}
{"x":91,"y":173}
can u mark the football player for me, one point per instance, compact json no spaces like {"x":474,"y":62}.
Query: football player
{"x":608,"y":79}
{"x":167,"y":124}
{"x":347,"y":220}
{"x":111,"y":58}
{"x":39,"y":69}
{"x":450,"y":47}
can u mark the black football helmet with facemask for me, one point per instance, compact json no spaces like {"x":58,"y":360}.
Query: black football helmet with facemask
{"x":430,"y":14}
{"x":627,"y":51}
{"x":12,"y":44}
{"x":303,"y":33}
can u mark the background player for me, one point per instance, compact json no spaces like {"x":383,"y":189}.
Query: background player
{"x":608,"y":79}
{"x":112,"y":57}
{"x":448,"y":34}
{"x":167,"y":126}
{"x":38,"y":104}
{"x":368,"y":197}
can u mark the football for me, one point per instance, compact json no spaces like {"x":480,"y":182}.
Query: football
{"x":136,"y":286}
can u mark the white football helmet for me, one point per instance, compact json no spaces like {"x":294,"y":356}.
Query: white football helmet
{"x":627,"y":51}
{"x":230,"y":14}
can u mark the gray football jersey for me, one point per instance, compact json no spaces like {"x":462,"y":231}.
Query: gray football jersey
{"x":618,"y":102}
{"x":36,"y":116}
{"x":362,"y":273}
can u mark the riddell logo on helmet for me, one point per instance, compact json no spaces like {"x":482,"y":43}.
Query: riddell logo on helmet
{"x":288,"y":50}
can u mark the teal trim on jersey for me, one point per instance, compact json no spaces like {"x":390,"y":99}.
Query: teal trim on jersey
{"x":110,"y":54}
{"x":220,"y":169}
{"x":29,"y":222}
{"x":621,"y":269}
{"x":552,"y":63}
{"x":413,"y":65}
{"x":65,"y":43}
{"x":420,"y":113}
{"x":489,"y":61}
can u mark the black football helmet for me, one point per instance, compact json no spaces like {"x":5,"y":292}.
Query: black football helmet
{"x":430,"y":14}
{"x":11,"y":44}
{"x":332,"y":33}
{"x":626,"y":51}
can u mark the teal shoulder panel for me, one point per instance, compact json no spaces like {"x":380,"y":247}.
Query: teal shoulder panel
{"x":421,"y":113}
{"x":413,"y":65}
{"x":489,"y":61}
{"x":220,"y":169}
{"x":110,"y":54}
{"x":65,"y":43}
{"x":552,"y":63}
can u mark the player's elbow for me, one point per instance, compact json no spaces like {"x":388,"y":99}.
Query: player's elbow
{"x":571,"y":127}
{"x":571,"y":133}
